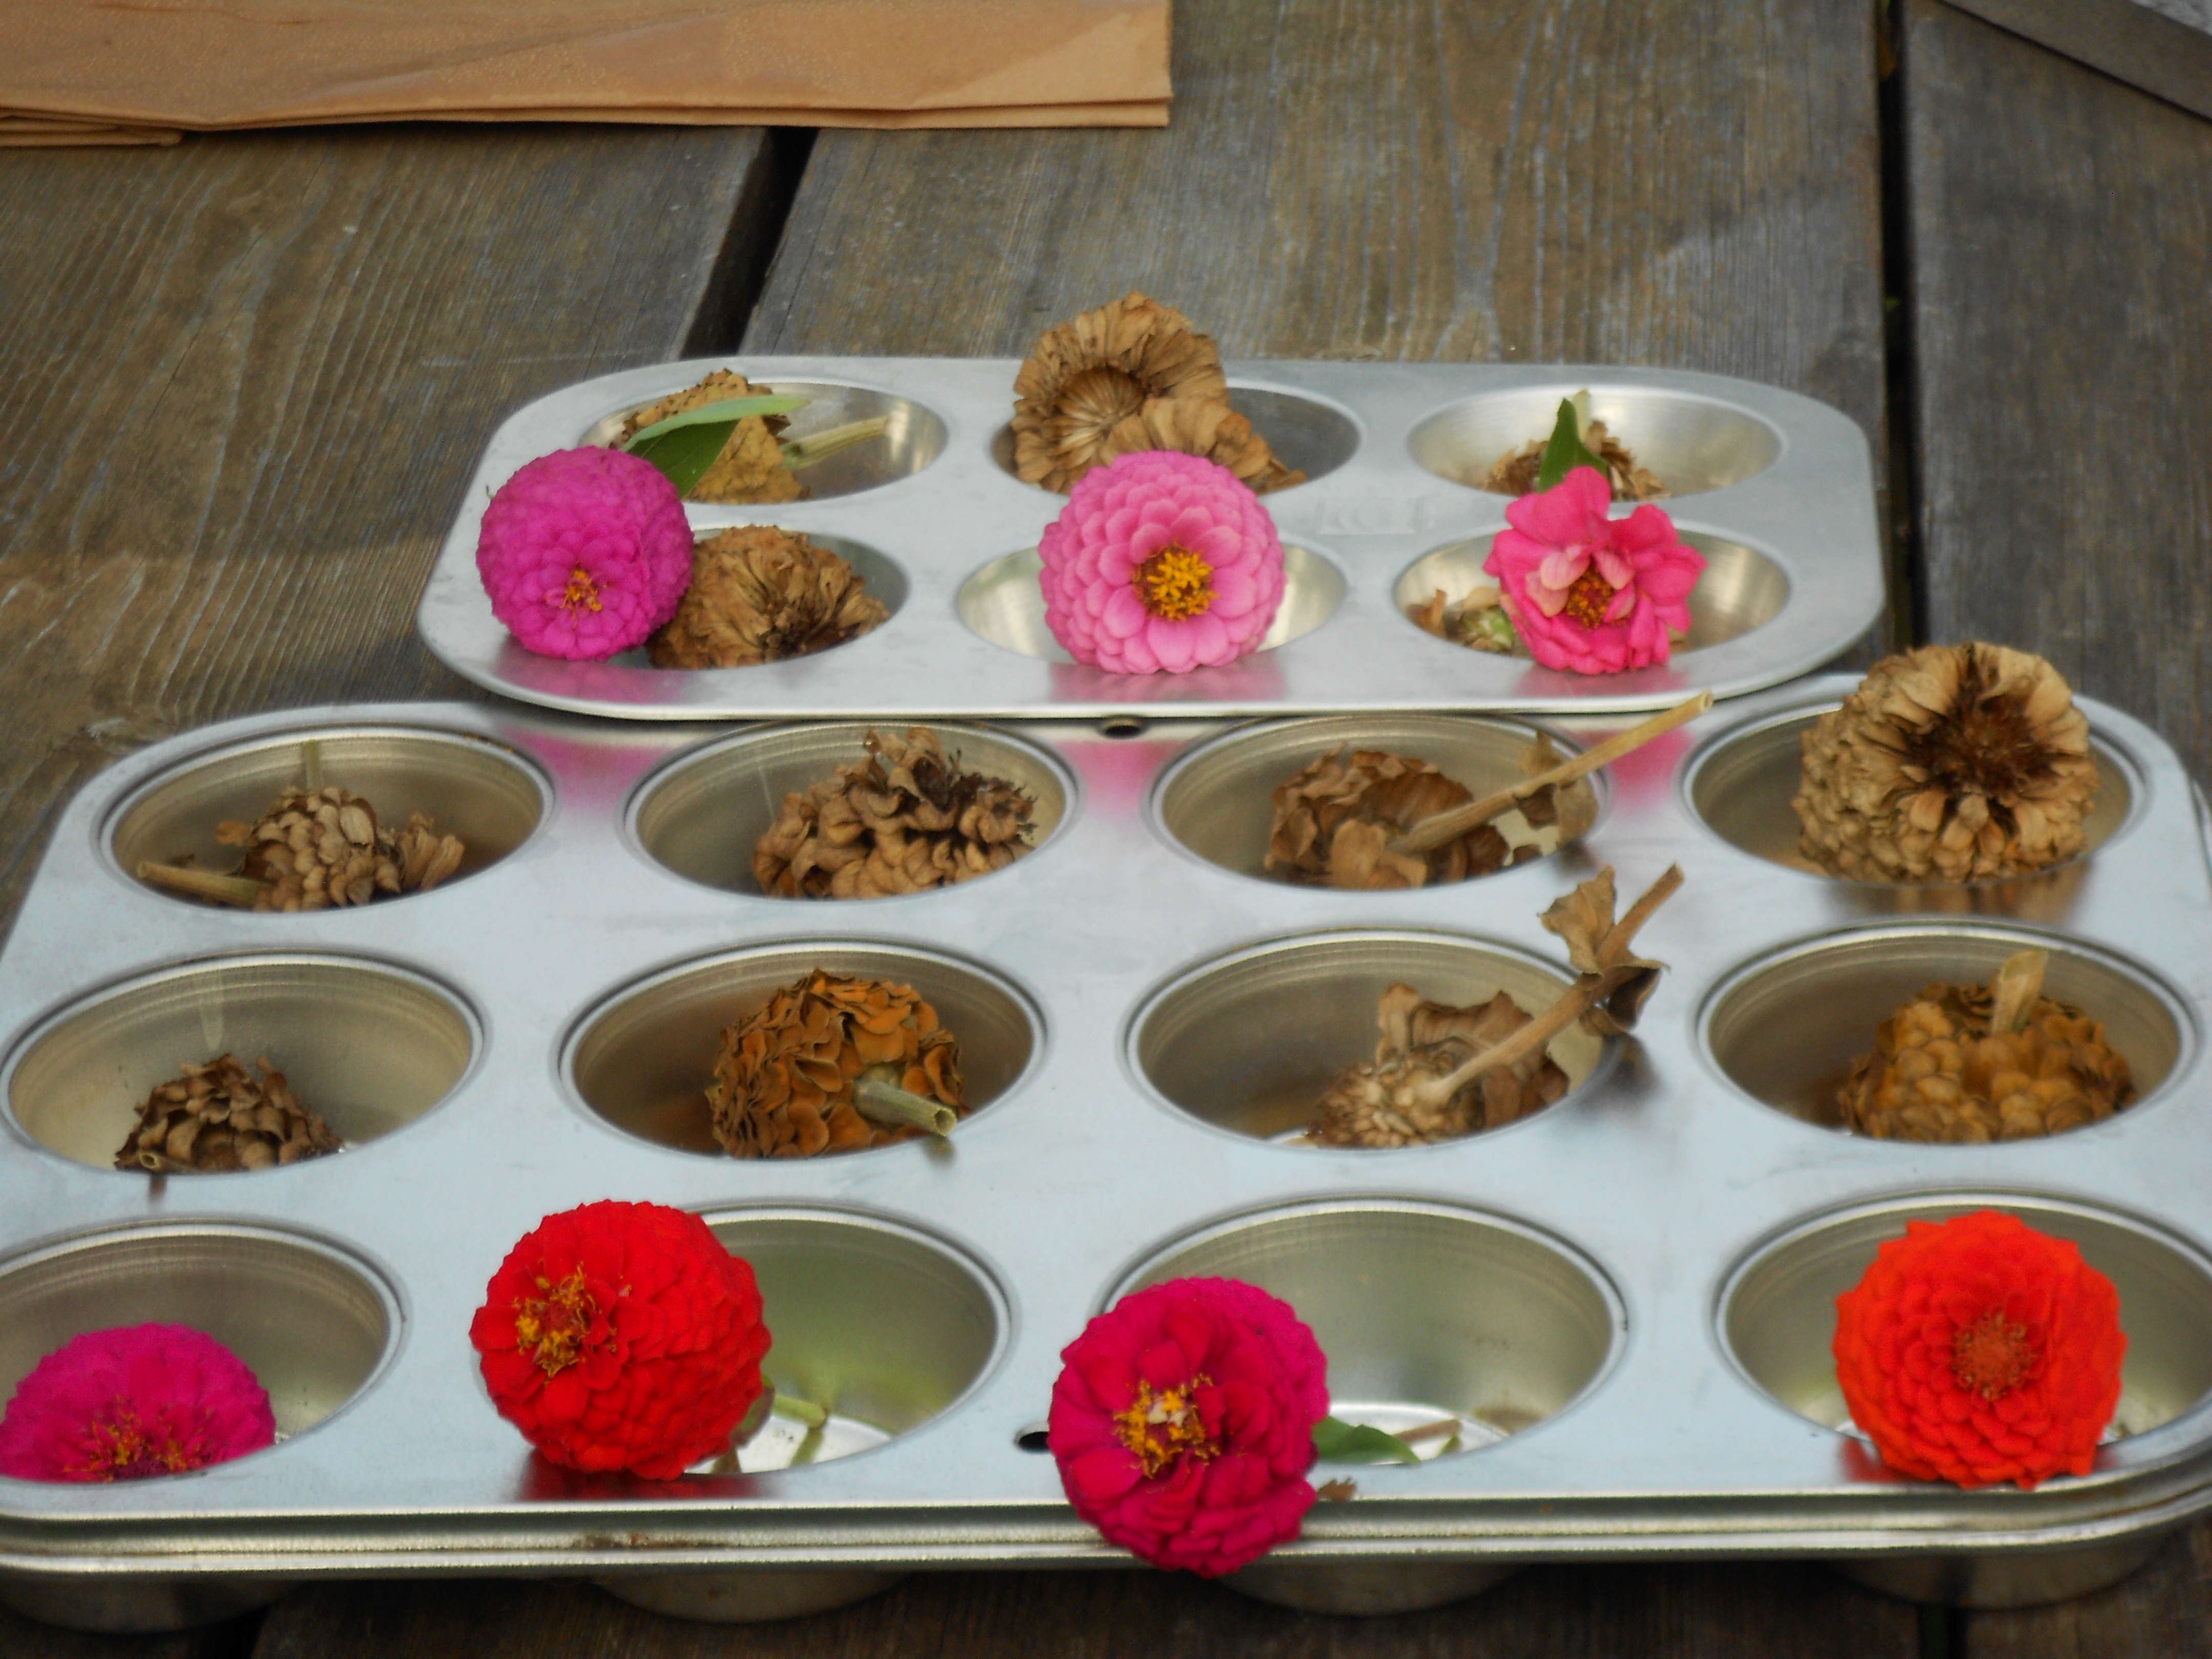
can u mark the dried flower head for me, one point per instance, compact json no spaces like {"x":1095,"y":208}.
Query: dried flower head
{"x":1979,"y":1350}
{"x":622,"y":1336}
{"x":1515,"y":471}
{"x":1952,"y":762}
{"x":786,"y":1081}
{"x":904,"y":820}
{"x":760,"y":594}
{"x":220,"y":1116}
{"x":1478,"y":621}
{"x":1182,"y":1423}
{"x":750,"y":468}
{"x":132,"y":1402}
{"x":1981,"y":1063}
{"x":323,"y":848}
{"x":585,"y":552}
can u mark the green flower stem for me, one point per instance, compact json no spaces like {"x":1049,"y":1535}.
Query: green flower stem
{"x":879,"y":1099}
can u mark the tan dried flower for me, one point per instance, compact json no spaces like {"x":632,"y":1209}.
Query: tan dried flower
{"x":1952,"y":762}
{"x":784,"y":1080}
{"x":1978,"y":1063}
{"x":323,"y":848}
{"x":1515,"y":471}
{"x":904,"y":820}
{"x":219,"y":1116}
{"x":761,"y":594}
{"x":751,"y":467}
{"x":1132,"y":375}
{"x":1478,"y":621}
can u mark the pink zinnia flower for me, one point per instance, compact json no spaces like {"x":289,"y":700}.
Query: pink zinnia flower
{"x":1161,"y":560}
{"x":1182,"y":1423}
{"x":139,"y":1401}
{"x":1590,"y":593}
{"x":585,"y":552}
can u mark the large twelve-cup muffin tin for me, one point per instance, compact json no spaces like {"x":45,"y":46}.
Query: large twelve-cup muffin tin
{"x":1627,"y":1297}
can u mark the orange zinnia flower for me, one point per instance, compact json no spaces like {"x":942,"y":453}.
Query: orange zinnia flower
{"x":1979,"y":1350}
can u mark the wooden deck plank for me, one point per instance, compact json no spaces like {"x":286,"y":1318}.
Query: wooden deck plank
{"x":248,"y":377}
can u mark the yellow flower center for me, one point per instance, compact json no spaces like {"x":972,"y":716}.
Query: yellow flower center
{"x":582,"y":593}
{"x":551,"y":1329}
{"x":1588,"y":598}
{"x":1160,"y":1428}
{"x":1992,"y":1356}
{"x":121,"y":1449}
{"x":1174,"y":583}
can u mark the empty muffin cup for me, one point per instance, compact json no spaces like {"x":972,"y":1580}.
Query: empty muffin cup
{"x":642,"y":1058}
{"x":1692,"y":443}
{"x":1306,"y":434}
{"x":1785,"y":1028}
{"x":913,"y":436}
{"x":702,"y":814}
{"x":1218,"y":800}
{"x":1248,"y":1041}
{"x":471,"y":787}
{"x":367,"y":1047}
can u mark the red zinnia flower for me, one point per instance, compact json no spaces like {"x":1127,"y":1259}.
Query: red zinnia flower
{"x":1182,"y":1423}
{"x":623,"y":1336}
{"x":1980,"y":1350}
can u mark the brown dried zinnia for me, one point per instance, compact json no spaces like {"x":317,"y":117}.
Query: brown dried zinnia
{"x":904,"y":820}
{"x":1952,"y":762}
{"x":1517,"y":471}
{"x":220,"y":1116}
{"x":790,"y":1081}
{"x":1132,"y":375}
{"x":761,"y":594}
{"x":320,"y":848}
{"x":751,"y":467}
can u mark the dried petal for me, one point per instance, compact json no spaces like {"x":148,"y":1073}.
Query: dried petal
{"x":220,"y":1116}
{"x":761,"y":594}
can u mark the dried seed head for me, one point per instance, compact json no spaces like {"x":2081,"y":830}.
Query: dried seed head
{"x":761,"y":594}
{"x":220,"y":1116}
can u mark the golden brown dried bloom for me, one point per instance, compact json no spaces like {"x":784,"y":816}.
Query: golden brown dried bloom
{"x":903,"y":821}
{"x":219,"y":1116}
{"x":1516,"y":471}
{"x":760,"y":594}
{"x":751,"y":466}
{"x":323,"y":848}
{"x":1980,"y":1063}
{"x":1952,"y":762}
{"x":1386,"y":1105}
{"x":1199,"y":426}
{"x":783,"y":1082}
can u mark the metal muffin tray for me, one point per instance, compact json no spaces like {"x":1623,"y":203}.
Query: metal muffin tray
{"x":1775,"y":489}
{"x":1628,"y":1295}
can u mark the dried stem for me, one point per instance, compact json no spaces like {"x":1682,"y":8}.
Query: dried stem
{"x":311,"y":765}
{"x":2014,"y":989}
{"x":1443,"y":828}
{"x":241,"y":891}
{"x":1443,"y":1428}
{"x":799,"y":452}
{"x":886,"y":1102}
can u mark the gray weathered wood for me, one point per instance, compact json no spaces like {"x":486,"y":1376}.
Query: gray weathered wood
{"x":248,"y":376}
{"x":2133,"y":39}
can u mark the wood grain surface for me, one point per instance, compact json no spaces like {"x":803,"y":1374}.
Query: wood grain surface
{"x":248,"y":377}
{"x":2164,"y":1612}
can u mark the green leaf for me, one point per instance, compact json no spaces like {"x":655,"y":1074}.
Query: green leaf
{"x":1336,"y":1442}
{"x":685,"y":446}
{"x":728,"y":412}
{"x":1565,"y":451}
{"x":1495,"y":626}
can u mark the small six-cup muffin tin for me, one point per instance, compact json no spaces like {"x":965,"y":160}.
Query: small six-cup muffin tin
{"x":1628,"y":1297}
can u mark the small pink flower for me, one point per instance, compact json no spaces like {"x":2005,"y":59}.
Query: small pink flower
{"x":1182,"y":1423}
{"x":139,"y":1401}
{"x":1590,"y":593}
{"x":1161,"y":560}
{"x":585,"y":552}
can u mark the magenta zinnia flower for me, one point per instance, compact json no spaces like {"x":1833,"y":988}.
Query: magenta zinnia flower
{"x":1590,"y":593}
{"x":1182,"y":1423}
{"x":139,"y":1401}
{"x":1161,"y":560}
{"x":585,"y":552}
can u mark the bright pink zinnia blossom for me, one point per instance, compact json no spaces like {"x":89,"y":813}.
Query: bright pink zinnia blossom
{"x":585,"y":552}
{"x":1182,"y":1423}
{"x":1161,"y":560}
{"x":1590,"y":593}
{"x":138,"y":1401}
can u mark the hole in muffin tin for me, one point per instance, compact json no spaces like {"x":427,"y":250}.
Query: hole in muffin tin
{"x":700,"y":815}
{"x":1248,"y":1041}
{"x":881,"y":1325}
{"x":913,"y":438}
{"x":1304,"y":434}
{"x":1739,"y":589}
{"x":1778,"y":1311}
{"x":1218,"y":799}
{"x":1694,"y":444}
{"x":472,"y":787}
{"x":313,"y":1324}
{"x":642,"y":1058}
{"x":1742,"y":785}
{"x":1785,"y":1028}
{"x":1425,"y":1310}
{"x":1004,"y":602}
{"x":368,"y":1047}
